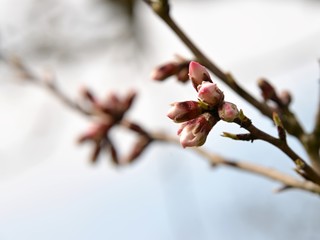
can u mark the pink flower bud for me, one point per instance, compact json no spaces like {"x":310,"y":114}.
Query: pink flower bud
{"x":138,"y":148}
{"x":164,"y":71}
{"x":285,"y":98}
{"x":95,"y":132}
{"x":194,"y":132}
{"x":209,"y":93}
{"x":128,"y":100}
{"x":228,"y":112}
{"x":184,"y":111}
{"x":198,"y":74}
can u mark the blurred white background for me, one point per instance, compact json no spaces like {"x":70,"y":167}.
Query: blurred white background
{"x":48,"y":188}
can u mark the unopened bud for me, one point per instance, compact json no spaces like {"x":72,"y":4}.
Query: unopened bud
{"x":285,"y":98}
{"x":164,"y":71}
{"x":228,"y":112}
{"x":184,"y":111}
{"x":267,"y":90}
{"x":210,"y":94}
{"x":113,"y":152}
{"x":112,"y":105}
{"x":127,"y":102}
{"x":95,"y":132}
{"x":161,"y":7}
{"x":198,"y":74}
{"x":194,"y":132}
{"x":138,"y":148}
{"x":95,"y":152}
{"x":183,"y":75}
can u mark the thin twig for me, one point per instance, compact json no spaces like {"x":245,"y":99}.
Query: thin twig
{"x":49,"y":83}
{"x":303,"y":167}
{"x":269,"y":173}
{"x":312,"y":140}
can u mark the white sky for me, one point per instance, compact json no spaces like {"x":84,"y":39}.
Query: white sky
{"x":49,"y":191}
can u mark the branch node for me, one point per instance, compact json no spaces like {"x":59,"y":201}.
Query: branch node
{"x":242,"y":137}
{"x":160,"y":7}
{"x":281,"y":131}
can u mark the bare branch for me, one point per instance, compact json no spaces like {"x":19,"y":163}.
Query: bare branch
{"x":47,"y":81}
{"x":302,"y":166}
{"x":269,"y":173}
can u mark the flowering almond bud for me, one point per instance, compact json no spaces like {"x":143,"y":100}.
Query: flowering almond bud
{"x":267,"y":90}
{"x":164,"y":71}
{"x":209,"y":93}
{"x":285,"y":98}
{"x":138,"y":148}
{"x":228,"y":112}
{"x":194,"y":132}
{"x":128,"y":100}
{"x":96,"y":152}
{"x":183,"y":75}
{"x":95,"y":132}
{"x":198,"y":74}
{"x":184,"y":111}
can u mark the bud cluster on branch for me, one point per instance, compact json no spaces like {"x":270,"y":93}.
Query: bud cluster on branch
{"x":110,"y":112}
{"x":198,"y":118}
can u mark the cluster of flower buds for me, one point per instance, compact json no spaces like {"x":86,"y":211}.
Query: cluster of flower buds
{"x":199,"y":117}
{"x":111,"y":107}
{"x":110,"y":112}
{"x":268,"y":92}
{"x":178,"y":68}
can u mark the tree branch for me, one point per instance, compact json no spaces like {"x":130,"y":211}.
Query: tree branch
{"x":286,"y":180}
{"x":302,"y":166}
{"x":291,"y":123}
{"x":269,"y":173}
{"x":312,"y":140}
